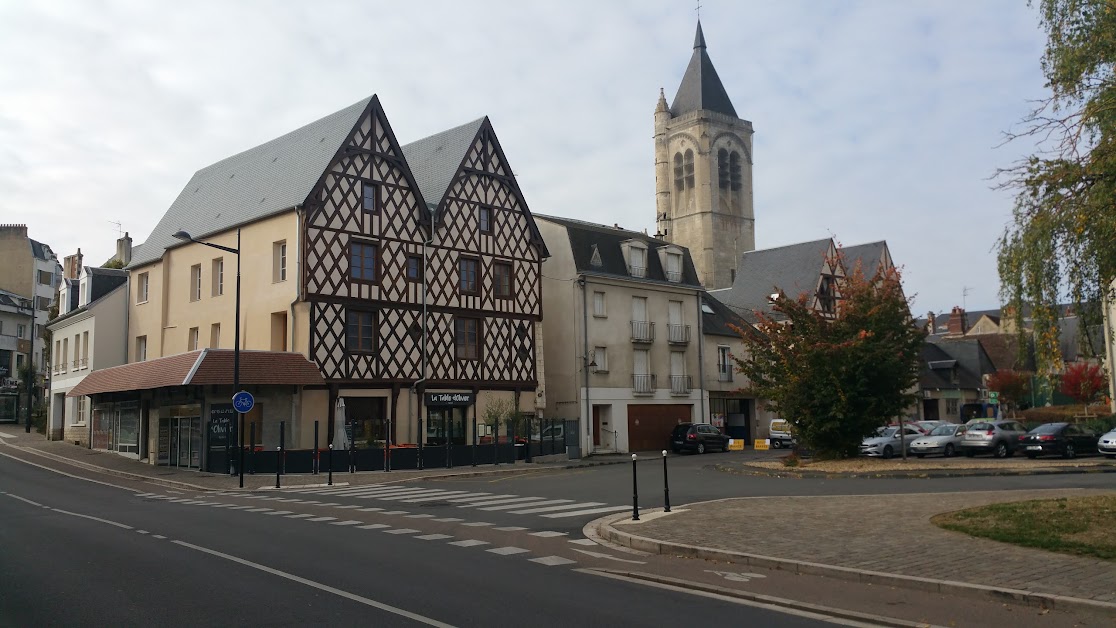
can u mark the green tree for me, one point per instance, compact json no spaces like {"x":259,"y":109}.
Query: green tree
{"x":837,"y":380}
{"x":1059,"y":242}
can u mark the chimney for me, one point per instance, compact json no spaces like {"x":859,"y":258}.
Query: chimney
{"x":958,"y":325}
{"x":124,"y":249}
{"x":71,"y":265}
{"x":931,"y":323}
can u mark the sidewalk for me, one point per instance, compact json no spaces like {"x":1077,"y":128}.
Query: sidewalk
{"x":192,"y":479}
{"x":879,"y":539}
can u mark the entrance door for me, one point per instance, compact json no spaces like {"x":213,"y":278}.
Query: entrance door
{"x":930,"y":409}
{"x":185,"y":442}
{"x":596,"y":426}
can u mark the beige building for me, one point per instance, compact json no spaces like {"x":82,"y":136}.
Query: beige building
{"x":703,"y":172}
{"x":733,"y":408}
{"x":623,"y":341}
{"x":30,"y":270}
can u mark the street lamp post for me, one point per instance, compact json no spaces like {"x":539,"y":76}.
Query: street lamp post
{"x":182,"y":235}
{"x":31,"y":365}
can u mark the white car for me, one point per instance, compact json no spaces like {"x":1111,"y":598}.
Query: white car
{"x":943,"y":439}
{"x":888,"y":443}
{"x":1107,"y":444}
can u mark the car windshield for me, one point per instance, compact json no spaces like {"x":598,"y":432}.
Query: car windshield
{"x":982,"y":426}
{"x":680,"y":429}
{"x":1049,"y":428}
{"x":887,"y":431}
{"x":943,"y":430}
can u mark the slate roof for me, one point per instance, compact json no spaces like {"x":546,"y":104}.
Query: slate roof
{"x":972,"y":362}
{"x":720,"y":322}
{"x":869,"y":255}
{"x":793,"y":269}
{"x":434,"y":160}
{"x":701,"y":88}
{"x":198,"y":368}
{"x":12,"y":299}
{"x":103,"y":282}
{"x":584,"y":237}
{"x":259,"y":182}
{"x":1003,"y":350}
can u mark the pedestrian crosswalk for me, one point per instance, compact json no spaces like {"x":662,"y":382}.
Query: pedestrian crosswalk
{"x":546,"y":507}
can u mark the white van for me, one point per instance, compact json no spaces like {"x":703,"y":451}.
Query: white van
{"x":779,"y":433}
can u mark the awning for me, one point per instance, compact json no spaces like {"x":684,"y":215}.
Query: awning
{"x":199,"y":368}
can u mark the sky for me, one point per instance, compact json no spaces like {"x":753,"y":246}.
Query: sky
{"x":874,"y":119}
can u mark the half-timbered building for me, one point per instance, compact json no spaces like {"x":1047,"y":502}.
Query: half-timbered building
{"x":407,"y":275}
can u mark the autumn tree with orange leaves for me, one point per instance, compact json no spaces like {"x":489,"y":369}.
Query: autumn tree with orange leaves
{"x":837,"y":380}
{"x":1082,"y":381}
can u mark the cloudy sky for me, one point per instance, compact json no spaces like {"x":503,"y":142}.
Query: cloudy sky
{"x":873,"y":119}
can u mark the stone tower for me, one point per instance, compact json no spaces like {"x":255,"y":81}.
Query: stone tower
{"x":703,"y":172}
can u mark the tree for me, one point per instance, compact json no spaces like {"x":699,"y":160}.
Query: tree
{"x":1059,"y":241}
{"x":838,"y":380}
{"x":1082,"y":381}
{"x":1012,"y":386}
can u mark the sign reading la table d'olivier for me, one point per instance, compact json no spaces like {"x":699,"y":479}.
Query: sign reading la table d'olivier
{"x":445,"y":399}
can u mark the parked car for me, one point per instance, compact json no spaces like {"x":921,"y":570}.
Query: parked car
{"x":1065,"y":439}
{"x":1106,"y":444}
{"x":699,"y":437}
{"x":887,"y":442}
{"x":779,"y":433}
{"x":943,"y":439}
{"x":928,"y":426}
{"x":1000,"y":437}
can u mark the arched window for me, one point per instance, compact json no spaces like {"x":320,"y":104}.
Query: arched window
{"x":723,"y":169}
{"x":688,"y":166}
{"x":734,"y":170}
{"x":679,"y":178}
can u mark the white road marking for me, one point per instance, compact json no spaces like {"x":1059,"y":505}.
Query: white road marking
{"x":348,"y":506}
{"x":330,"y":504}
{"x":425,"y":493}
{"x":433,"y":537}
{"x":735,"y":576}
{"x":369,"y":509}
{"x":25,"y":500}
{"x":609,"y":556}
{"x":142,"y":532}
{"x":551,"y":561}
{"x":583,"y":541}
{"x":547,"y":534}
{"x":477,"y":524}
{"x":374,"y":526}
{"x":299,"y":516}
{"x":591,"y":511}
{"x":542,"y":503}
{"x":421,"y":515}
{"x":469,"y":543}
{"x":435,"y":497}
{"x":158,"y":536}
{"x":400,"y":531}
{"x":75,"y":514}
{"x":508,"y":551}
{"x":260,"y":509}
{"x":496,"y":502}
{"x":510,"y":528}
{"x":475,"y":497}
{"x":280,"y":512}
{"x":350,"y":522}
{"x":322,"y":519}
{"x":321,"y":587}
{"x":395,"y":512}
{"x":448,"y":520}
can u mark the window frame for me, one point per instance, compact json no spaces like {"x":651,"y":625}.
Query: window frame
{"x":407,"y":268}
{"x":369,"y":190}
{"x":195,"y":282}
{"x":143,"y":287}
{"x":461,"y":291}
{"x":485,"y":215}
{"x":375,"y":246}
{"x":602,"y":312}
{"x":600,"y":357}
{"x":688,"y":168}
{"x":193,"y":339}
{"x":49,"y":276}
{"x":218,"y":278}
{"x":458,"y":332}
{"x":279,"y":261}
{"x":141,"y":342}
{"x":679,"y":173}
{"x":511,"y":279}
{"x":372,"y":322}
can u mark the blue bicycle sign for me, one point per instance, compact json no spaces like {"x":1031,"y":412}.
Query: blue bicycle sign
{"x":243,"y":402}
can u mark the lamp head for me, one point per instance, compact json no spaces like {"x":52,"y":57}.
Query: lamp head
{"x":182,"y":235}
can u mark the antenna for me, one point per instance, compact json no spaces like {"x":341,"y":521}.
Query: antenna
{"x":119,"y":227}
{"x":965,"y":290}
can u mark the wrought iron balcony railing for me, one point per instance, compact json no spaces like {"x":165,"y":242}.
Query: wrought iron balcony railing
{"x":678,"y":334}
{"x":643,"y":331}
{"x":643,"y":384}
{"x":680,"y":385}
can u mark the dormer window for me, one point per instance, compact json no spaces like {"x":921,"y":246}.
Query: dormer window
{"x":827,"y":295}
{"x":674,"y":267}
{"x":638,"y":262}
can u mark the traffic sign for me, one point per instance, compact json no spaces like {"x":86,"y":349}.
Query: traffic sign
{"x":243,"y":401}
{"x":993,"y":397}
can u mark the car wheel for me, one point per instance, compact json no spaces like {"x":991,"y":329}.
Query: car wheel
{"x":920,"y":455}
{"x":1069,"y":452}
{"x":888,"y":452}
{"x":777,"y":444}
{"x":701,"y":448}
{"x":1001,"y":450}
{"x":949,"y":452}
{"x":1032,"y":456}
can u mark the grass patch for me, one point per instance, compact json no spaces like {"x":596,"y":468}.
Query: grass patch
{"x":1085,"y":526}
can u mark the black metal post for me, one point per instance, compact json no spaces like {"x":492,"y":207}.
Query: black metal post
{"x":316,"y":463}
{"x":420,"y":439}
{"x":31,"y":369}
{"x":329,"y":461}
{"x":252,"y":444}
{"x":352,"y":455}
{"x":447,"y":433}
{"x":474,"y":436}
{"x":236,"y":357}
{"x":635,"y":491}
{"x":666,"y":484}
{"x":281,"y":461}
{"x":278,"y":455}
{"x":527,"y":454}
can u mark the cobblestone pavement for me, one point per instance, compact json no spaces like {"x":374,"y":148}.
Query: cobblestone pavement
{"x":886,"y":533}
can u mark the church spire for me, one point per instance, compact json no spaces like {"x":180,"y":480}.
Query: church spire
{"x":701,"y":88}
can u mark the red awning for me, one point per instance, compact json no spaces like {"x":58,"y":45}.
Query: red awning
{"x":199,"y":368}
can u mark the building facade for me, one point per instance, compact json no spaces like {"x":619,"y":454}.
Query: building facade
{"x":29,"y":269}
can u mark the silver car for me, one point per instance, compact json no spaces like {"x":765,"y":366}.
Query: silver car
{"x":943,"y":439}
{"x":1106,"y":444}
{"x":998,"y":436}
{"x":887,"y":442}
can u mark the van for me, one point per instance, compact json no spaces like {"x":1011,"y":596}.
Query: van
{"x":779,"y":433}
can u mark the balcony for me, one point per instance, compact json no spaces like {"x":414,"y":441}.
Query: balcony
{"x":724,"y":373}
{"x":678,"y":334}
{"x":643,"y":384}
{"x":674,"y":275}
{"x":680,"y":384}
{"x":84,"y":362}
{"x":639,"y":271}
{"x":643,"y":331}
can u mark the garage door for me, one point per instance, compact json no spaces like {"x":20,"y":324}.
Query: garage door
{"x":649,"y":426}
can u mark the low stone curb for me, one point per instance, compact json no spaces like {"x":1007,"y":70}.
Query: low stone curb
{"x":113,"y":472}
{"x":943,"y":587}
{"x":913,"y":474}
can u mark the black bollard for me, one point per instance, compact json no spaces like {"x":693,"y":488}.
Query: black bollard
{"x":278,"y":454}
{"x":474,"y":436}
{"x":666,"y":484}
{"x":352,"y":456}
{"x":317,"y":455}
{"x":329,"y":462}
{"x":635,"y":491}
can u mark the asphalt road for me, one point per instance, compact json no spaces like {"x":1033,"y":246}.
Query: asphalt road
{"x":82,"y":553}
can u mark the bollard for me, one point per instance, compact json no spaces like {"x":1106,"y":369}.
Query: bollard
{"x":635,"y":491}
{"x":352,"y":456}
{"x":282,"y":461}
{"x":317,"y":454}
{"x":329,"y":461}
{"x":420,"y":439}
{"x":474,"y":437}
{"x":666,"y":484}
{"x":278,"y":454}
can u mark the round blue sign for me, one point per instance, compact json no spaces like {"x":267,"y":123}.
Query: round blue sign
{"x":243,"y":401}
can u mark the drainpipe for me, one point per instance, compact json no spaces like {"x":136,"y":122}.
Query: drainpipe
{"x":585,"y":366}
{"x":297,"y":396}
{"x":701,"y":357}
{"x":420,"y":383}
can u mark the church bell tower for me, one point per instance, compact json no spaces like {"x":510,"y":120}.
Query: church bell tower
{"x":703,"y":172}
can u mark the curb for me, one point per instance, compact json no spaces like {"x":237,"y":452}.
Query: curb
{"x":113,"y":472}
{"x":915,"y":475}
{"x":863,"y":576}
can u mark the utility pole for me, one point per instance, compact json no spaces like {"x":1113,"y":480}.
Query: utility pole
{"x":30,"y":363}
